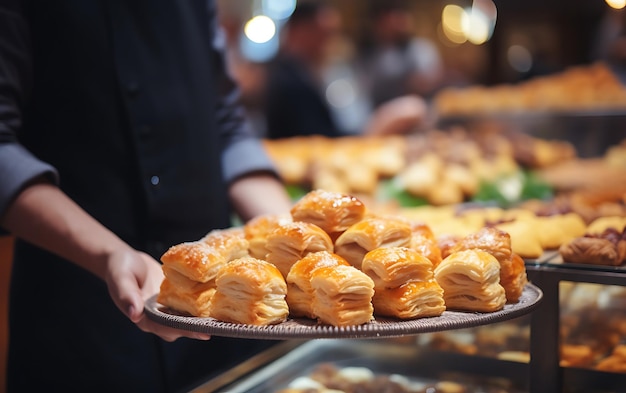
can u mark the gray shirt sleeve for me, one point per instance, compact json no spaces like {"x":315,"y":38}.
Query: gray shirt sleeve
{"x":18,"y":167}
{"x":243,"y":151}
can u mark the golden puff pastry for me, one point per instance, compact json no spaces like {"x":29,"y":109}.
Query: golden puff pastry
{"x":427,"y":247}
{"x":181,"y":281}
{"x":201,"y":260}
{"x":422,"y":229}
{"x":498,"y":243}
{"x":411,"y":300}
{"x":334,"y":212}
{"x":471,"y":281}
{"x":299,"y":290}
{"x":292,"y":241}
{"x":195,"y":301}
{"x":446,"y":244}
{"x":370,"y":233}
{"x":513,"y":277}
{"x":231,"y":241}
{"x":258,"y":229}
{"x":342,"y":296}
{"x":495,"y":241}
{"x":391,"y":267}
{"x":250,"y":291}
{"x":616,"y":362}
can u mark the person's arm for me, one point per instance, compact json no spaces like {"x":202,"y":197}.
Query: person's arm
{"x":34,"y":209}
{"x":259,"y":193}
{"x":45,"y":216}
{"x":254,"y":186}
{"x":401,"y":115}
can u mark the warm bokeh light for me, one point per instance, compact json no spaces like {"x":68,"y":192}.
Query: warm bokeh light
{"x":340,"y":93}
{"x":481,"y":21}
{"x":452,"y":20}
{"x":617,"y":4}
{"x":519,"y":58}
{"x":474,"y":24}
{"x":278,"y":9}
{"x":260,"y":29}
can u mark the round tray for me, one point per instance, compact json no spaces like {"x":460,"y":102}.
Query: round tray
{"x":299,"y":328}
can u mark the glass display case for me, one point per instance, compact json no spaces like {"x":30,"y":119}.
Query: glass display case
{"x":573,"y":342}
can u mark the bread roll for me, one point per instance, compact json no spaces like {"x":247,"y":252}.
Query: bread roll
{"x":342,"y":295}
{"x":250,"y":291}
{"x":392,"y":267}
{"x":524,"y":238}
{"x":594,"y":251}
{"x":299,"y":290}
{"x":258,"y":229}
{"x":370,"y":233}
{"x":292,"y":241}
{"x":471,"y":281}
{"x":334,"y":212}
{"x":599,"y":225}
{"x":410,"y":300}
{"x":195,"y":301}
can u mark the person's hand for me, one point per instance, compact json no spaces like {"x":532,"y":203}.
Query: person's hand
{"x":400,"y":115}
{"x":132,"y":277}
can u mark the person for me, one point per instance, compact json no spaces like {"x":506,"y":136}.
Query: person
{"x":609,"y":42}
{"x":294,"y":101}
{"x":120,"y":135}
{"x":300,"y":88}
{"x":395,"y":61}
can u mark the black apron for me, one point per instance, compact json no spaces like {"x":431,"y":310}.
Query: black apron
{"x":123,"y":103}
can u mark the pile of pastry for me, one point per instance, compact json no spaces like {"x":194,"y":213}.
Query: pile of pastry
{"x":604,"y":243}
{"x":349,"y":164}
{"x":581,"y":87}
{"x":334,"y":261}
{"x":532,"y":233}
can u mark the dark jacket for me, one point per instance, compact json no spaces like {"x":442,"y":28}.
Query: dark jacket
{"x":295,"y":104}
{"x":127,"y":105}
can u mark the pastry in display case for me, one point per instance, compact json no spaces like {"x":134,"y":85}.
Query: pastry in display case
{"x":592,"y":331}
{"x":438,"y":193}
{"x":593,"y":326}
{"x":363,"y":366}
{"x":583,"y":87}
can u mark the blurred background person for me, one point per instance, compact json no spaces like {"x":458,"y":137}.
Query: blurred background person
{"x":294,"y":97}
{"x":312,"y":87}
{"x":393,"y":59}
{"x":610,"y":42}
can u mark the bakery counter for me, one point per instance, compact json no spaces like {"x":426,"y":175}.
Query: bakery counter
{"x":569,"y":343}
{"x":589,"y":132}
{"x":395,"y":365}
{"x":569,"y":330}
